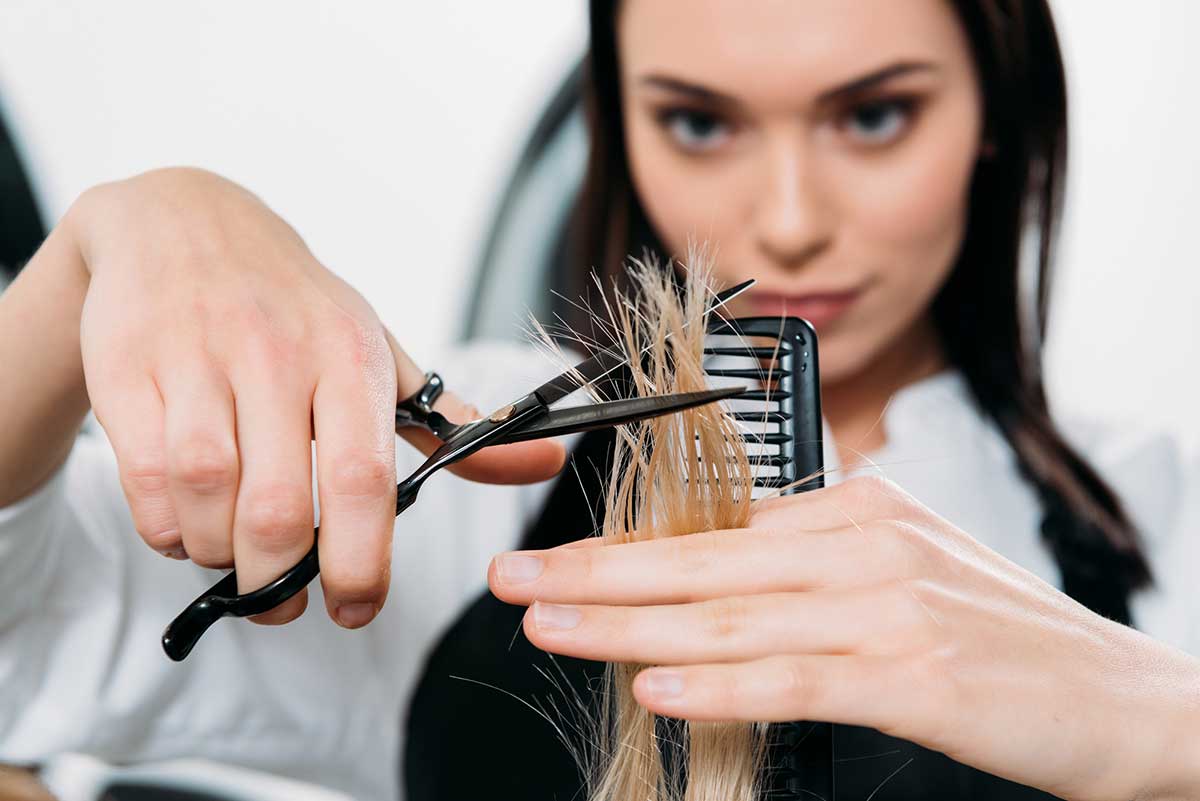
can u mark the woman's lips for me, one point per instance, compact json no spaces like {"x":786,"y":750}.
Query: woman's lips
{"x":819,"y":308}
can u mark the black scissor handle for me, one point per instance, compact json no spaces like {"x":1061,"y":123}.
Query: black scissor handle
{"x":222,"y":600}
{"x":417,"y":409}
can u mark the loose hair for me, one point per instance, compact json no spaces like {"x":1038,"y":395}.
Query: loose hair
{"x":989,"y":316}
{"x":670,"y":475}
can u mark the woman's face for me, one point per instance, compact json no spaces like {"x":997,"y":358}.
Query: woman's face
{"x":823,"y":147}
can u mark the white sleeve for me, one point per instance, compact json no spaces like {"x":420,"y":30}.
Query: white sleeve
{"x":57,"y":558}
{"x":28,"y":538}
{"x":83,"y":603}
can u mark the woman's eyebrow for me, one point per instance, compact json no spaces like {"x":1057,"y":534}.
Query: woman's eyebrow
{"x":713,"y":97}
{"x":869,"y":81}
{"x":693,"y":90}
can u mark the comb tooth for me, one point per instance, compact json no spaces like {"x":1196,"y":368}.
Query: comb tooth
{"x":769,"y":460}
{"x":772,"y":482}
{"x":764,"y":395}
{"x":760,"y":416}
{"x":750,"y":351}
{"x":746,"y":372}
{"x":768,"y":438}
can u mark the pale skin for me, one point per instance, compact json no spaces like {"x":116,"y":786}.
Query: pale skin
{"x":826,"y":146}
{"x":213,"y":348}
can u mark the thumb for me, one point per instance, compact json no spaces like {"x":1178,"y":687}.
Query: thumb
{"x":517,"y":463}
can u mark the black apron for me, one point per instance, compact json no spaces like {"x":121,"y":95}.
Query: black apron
{"x":469,"y":737}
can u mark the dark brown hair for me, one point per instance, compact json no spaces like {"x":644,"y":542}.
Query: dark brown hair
{"x":990,"y":318}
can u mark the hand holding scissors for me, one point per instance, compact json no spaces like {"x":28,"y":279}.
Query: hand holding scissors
{"x":527,"y":418}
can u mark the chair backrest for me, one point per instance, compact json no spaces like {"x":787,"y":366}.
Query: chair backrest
{"x":527,"y":239}
{"x":21,"y":227}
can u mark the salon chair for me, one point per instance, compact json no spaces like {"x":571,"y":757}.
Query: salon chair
{"x":21,"y":227}
{"x":528,"y":234}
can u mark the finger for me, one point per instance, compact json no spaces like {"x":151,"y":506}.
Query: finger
{"x":855,"y":690}
{"x":733,"y":629}
{"x":516,"y":463}
{"x":202,"y":458}
{"x":354,"y":421}
{"x":134,"y":425}
{"x":587,"y":542}
{"x":697,"y":567}
{"x":847,"y":504}
{"x":273,"y":514}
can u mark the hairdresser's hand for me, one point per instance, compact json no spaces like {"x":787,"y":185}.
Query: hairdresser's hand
{"x":857,"y":605}
{"x":215,"y":349}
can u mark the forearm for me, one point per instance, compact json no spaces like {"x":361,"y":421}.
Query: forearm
{"x":43,"y":396}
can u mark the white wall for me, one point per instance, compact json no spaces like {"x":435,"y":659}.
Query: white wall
{"x":383,"y":130}
{"x":1125,"y":345}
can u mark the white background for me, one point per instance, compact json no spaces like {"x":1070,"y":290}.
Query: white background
{"x":383,"y":132}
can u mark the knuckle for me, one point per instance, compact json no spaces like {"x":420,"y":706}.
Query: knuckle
{"x":694,"y":553}
{"x":145,"y":475}
{"x":158,"y":537}
{"x":796,"y":683}
{"x":362,"y":474}
{"x":210,"y":553}
{"x":276,"y":518}
{"x":583,"y":562}
{"x":725,"y":618}
{"x":361,"y":344}
{"x":918,"y":603}
{"x":903,"y":545}
{"x":618,"y":624}
{"x":769,"y":508}
{"x":940,"y":674}
{"x":868,"y":492}
{"x":912,"y":535}
{"x":353,"y":582}
{"x":205,"y":464}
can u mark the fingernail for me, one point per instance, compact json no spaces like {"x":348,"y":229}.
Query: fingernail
{"x":354,"y":615}
{"x":664,"y":683}
{"x":555,"y":617}
{"x":174,"y":553}
{"x":518,"y":568}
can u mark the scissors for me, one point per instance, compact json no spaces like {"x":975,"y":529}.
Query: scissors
{"x":528,"y":417}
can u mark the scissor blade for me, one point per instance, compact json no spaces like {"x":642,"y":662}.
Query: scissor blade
{"x":721,"y":298}
{"x":605,"y":362}
{"x":604,"y":415}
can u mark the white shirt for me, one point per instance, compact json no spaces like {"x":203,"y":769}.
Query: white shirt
{"x":83,"y":601}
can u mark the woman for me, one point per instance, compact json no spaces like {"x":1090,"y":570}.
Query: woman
{"x":873,"y":166}
{"x":868,"y":164}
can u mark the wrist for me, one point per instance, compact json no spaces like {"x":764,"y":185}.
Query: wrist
{"x":77,"y":227}
{"x":43,"y":306}
{"x":163,"y":205}
{"x":1176,"y":775}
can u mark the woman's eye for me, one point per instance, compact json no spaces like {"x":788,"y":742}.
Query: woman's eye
{"x":695,"y":130}
{"x":878,"y":122}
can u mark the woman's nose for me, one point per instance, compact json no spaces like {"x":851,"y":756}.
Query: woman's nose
{"x":792,"y":223}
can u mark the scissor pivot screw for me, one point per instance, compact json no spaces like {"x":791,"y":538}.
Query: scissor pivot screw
{"x":500,"y":415}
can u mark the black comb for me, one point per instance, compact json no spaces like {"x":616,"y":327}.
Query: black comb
{"x":781,"y":419}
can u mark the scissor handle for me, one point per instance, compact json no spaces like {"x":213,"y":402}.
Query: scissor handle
{"x":417,"y":409}
{"x":222,"y":599}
